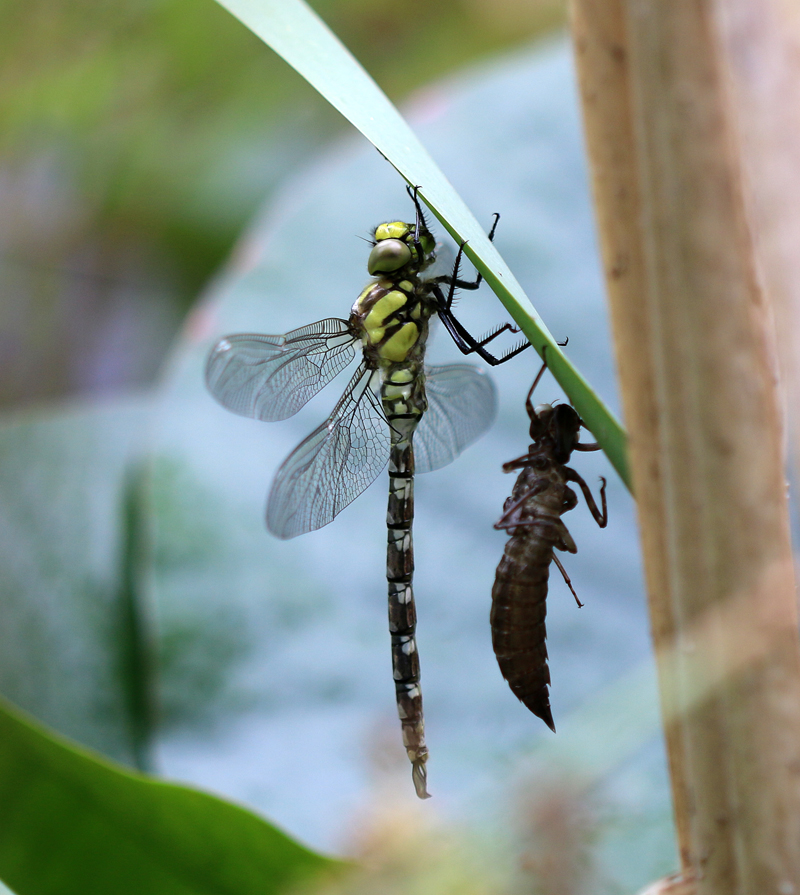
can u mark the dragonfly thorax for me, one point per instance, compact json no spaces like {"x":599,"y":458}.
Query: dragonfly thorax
{"x":392,"y":319}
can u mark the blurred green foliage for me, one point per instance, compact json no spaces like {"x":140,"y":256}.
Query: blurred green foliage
{"x":101,"y":829}
{"x":136,"y":140}
{"x":87,"y":539}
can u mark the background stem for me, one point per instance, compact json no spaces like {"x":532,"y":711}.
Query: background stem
{"x":694,"y":339}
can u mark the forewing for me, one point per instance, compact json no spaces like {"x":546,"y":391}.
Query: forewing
{"x":445,"y":259}
{"x":271,"y":377}
{"x":462,"y":404}
{"x":337,"y":461}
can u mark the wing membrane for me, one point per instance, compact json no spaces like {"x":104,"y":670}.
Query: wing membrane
{"x":462,"y":405}
{"x":271,"y":377}
{"x":337,"y":461}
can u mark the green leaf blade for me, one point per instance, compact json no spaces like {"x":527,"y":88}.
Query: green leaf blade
{"x":302,"y":39}
{"x":74,"y":824}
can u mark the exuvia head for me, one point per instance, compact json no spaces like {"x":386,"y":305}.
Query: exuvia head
{"x":540,"y":421}
{"x":394,"y":248}
{"x":557,"y":425}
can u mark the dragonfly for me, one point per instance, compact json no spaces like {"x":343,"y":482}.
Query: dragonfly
{"x":395,"y":409}
{"x":532,"y":517}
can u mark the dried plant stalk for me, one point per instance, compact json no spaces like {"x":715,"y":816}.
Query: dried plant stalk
{"x":694,"y":342}
{"x":763,"y":45}
{"x":601,"y":54}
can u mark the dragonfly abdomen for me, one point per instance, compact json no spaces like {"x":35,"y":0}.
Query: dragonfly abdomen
{"x":519,"y":607}
{"x":532,"y":518}
{"x":403,"y":397}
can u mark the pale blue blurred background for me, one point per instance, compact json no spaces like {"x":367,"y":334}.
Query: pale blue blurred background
{"x":314,"y":659}
{"x":149,"y":614}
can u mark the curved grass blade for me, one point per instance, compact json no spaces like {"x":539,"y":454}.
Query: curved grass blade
{"x":299,"y":36}
{"x":76,"y":824}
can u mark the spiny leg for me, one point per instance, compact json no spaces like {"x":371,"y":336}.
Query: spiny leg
{"x":465,"y":341}
{"x":420,"y":222}
{"x":453,"y":280}
{"x":493,"y":334}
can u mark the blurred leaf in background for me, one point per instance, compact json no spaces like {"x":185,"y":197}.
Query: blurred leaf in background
{"x":75,"y":824}
{"x":137,"y":139}
{"x":69,"y":631}
{"x":312,"y":682}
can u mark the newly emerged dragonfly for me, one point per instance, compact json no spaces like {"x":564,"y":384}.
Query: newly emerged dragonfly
{"x":532,"y":516}
{"x":392,"y":398}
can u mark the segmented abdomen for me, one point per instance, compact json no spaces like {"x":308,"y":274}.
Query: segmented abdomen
{"x":403,"y":398}
{"x":519,"y":606}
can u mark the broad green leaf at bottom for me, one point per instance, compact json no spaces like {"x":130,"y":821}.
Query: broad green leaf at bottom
{"x":74,"y":824}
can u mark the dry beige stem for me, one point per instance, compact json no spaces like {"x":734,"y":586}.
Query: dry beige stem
{"x":762,"y":42}
{"x":694,"y":336}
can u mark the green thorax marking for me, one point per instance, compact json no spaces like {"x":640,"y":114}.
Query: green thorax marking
{"x":392,"y":312}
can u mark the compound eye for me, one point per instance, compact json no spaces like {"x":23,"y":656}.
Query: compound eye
{"x":541,"y":463}
{"x":387,"y":256}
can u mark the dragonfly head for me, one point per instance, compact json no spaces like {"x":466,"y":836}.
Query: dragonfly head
{"x":394,"y":248}
{"x":388,"y":256}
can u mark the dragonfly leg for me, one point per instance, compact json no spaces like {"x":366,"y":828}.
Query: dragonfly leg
{"x":503,"y":521}
{"x":567,"y":579}
{"x":453,"y":280}
{"x":519,"y":463}
{"x":505,"y":328}
{"x":601,"y":518}
{"x":589,"y":445}
{"x":570,"y":500}
{"x":466,"y":342}
{"x":528,"y":403}
{"x":421,"y":223}
{"x":586,"y":446}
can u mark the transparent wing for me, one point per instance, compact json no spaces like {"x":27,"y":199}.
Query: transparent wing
{"x":337,"y":461}
{"x":271,"y":377}
{"x":445,"y":259}
{"x":462,"y":404}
